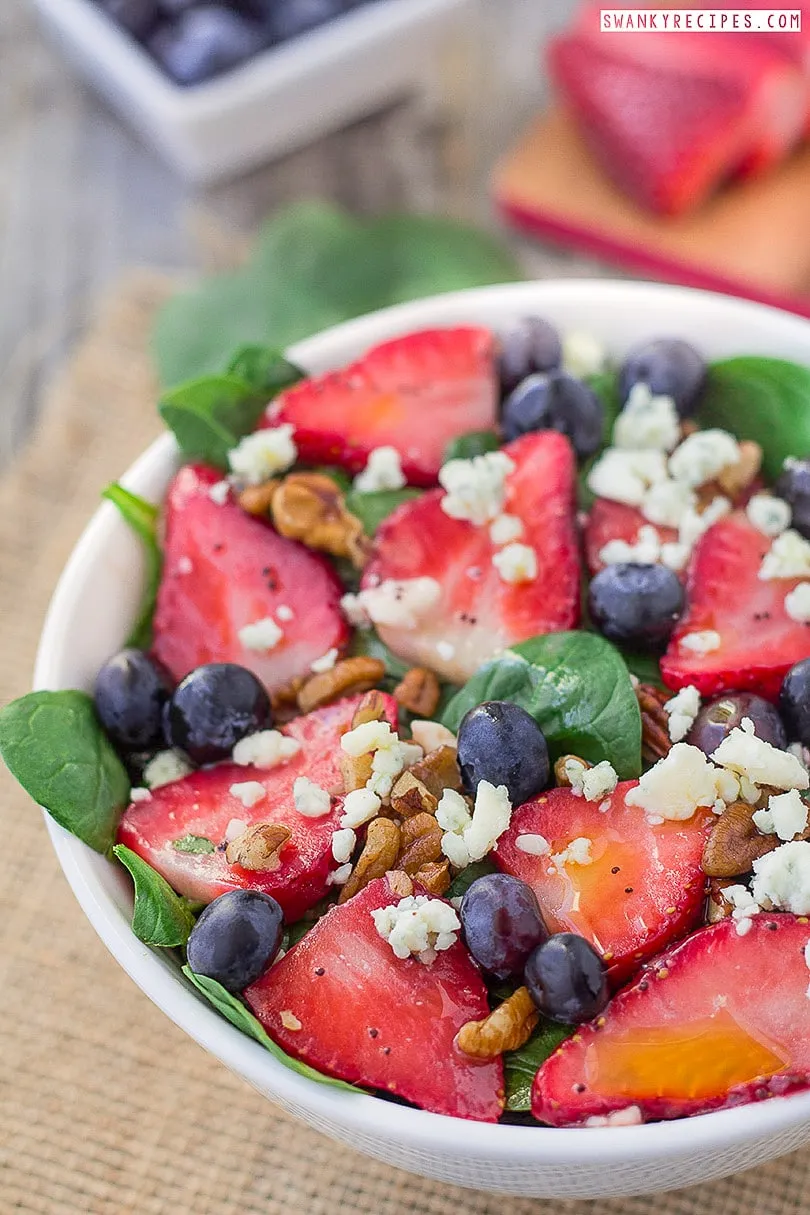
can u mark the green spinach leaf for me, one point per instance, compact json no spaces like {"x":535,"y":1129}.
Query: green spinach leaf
{"x":264,"y":370}
{"x":53,"y":744}
{"x":239,"y":1015}
{"x":198,"y":845}
{"x":463,"y":880}
{"x":372,"y":508}
{"x":474,"y":443}
{"x":142,"y":517}
{"x":367,"y":643}
{"x":210,"y":415}
{"x":767,"y":400}
{"x":312,"y":267}
{"x":160,"y":916}
{"x":577,"y":688}
{"x":521,"y":1066}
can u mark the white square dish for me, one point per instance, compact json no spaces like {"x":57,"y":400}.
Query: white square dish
{"x":282,"y":98}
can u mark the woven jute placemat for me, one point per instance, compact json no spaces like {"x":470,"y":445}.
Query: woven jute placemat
{"x":105,"y":1107}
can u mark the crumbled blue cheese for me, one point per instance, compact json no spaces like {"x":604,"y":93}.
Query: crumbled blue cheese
{"x":446,"y":650}
{"x":344,"y":842}
{"x":353,"y":609}
{"x":666,"y":502}
{"x":359,"y":807}
{"x":599,"y":781}
{"x":368,"y":737}
{"x":166,"y":767}
{"x":681,"y":782}
{"x":693,"y":523}
{"x":788,"y":557}
{"x":682,"y":709}
{"x":140,"y":794}
{"x":578,"y":852}
{"x":647,"y":421}
{"x":185,"y":565}
{"x":630,"y":1116}
{"x":339,"y":877}
{"x":582,"y":353}
{"x":769,"y":515}
{"x":785,"y":816}
{"x":430,"y":735}
{"x":452,"y":812}
{"x":626,"y":476}
{"x":516,"y":563}
{"x":476,"y":488}
{"x":398,"y":603}
{"x":285,"y":613}
{"x":703,"y":641}
{"x":703,"y":455}
{"x":265,"y":749}
{"x":261,"y":635}
{"x":248,"y":792}
{"x":470,"y":837}
{"x":325,"y":663}
{"x":645,"y":551}
{"x":742,"y":752}
{"x":797,"y":603}
{"x":532,"y":844}
{"x":505,"y":529}
{"x":261,"y":455}
{"x":418,"y":926}
{"x":219,"y":492}
{"x":235,"y":828}
{"x":383,"y":471}
{"x":744,"y":906}
{"x":310,"y":799}
{"x":782,"y":878}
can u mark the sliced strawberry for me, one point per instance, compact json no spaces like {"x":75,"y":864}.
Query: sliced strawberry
{"x":414,"y":393}
{"x":720,"y":1020}
{"x":202,"y":805}
{"x":643,"y":888}
{"x":366,"y":1016}
{"x":224,"y":569}
{"x":614,"y":521}
{"x":758,"y":640}
{"x":478,"y":613}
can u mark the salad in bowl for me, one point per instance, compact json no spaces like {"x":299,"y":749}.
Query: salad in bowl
{"x":458,"y":750}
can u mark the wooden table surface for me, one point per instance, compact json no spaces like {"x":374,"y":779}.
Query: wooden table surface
{"x":81,"y":198}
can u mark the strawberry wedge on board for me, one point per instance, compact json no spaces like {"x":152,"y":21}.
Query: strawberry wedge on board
{"x":415,"y":393}
{"x":720,"y":1020}
{"x":342,"y":1001}
{"x":752,"y":640}
{"x":224,"y":569}
{"x":642,"y":885}
{"x":608,"y":521}
{"x":181,"y":829}
{"x":477,"y":611}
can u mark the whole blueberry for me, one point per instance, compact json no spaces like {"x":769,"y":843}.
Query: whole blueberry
{"x":716,"y":720}
{"x":502,"y":923}
{"x":669,"y":367}
{"x":203,"y":42}
{"x":530,"y":346}
{"x":236,"y":938}
{"x":793,"y":484}
{"x":290,"y":18}
{"x":555,"y":401}
{"x":501,"y":743}
{"x":215,"y":706}
{"x":636,"y":605}
{"x":130,"y":694}
{"x":138,"y":17}
{"x":794,"y":702}
{"x":566,"y":979}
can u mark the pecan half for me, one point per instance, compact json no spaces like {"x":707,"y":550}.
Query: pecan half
{"x":258,"y":499}
{"x":309,"y":507}
{"x":410,"y":796}
{"x":420,"y":843}
{"x":379,"y":854}
{"x":734,"y":843}
{"x":506,"y":1028}
{"x":655,"y":740}
{"x":561,"y":775}
{"x":258,"y":848}
{"x":346,"y":678}
{"x":438,"y":771}
{"x":371,"y":708}
{"x":434,"y":876}
{"x":418,"y":692}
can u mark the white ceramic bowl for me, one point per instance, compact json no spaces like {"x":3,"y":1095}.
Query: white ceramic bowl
{"x":90,"y":614}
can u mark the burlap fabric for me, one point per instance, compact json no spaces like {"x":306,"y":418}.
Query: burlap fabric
{"x":105,"y":1107}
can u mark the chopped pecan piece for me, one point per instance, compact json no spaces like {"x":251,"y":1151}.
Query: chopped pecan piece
{"x":355,"y":770}
{"x":284,"y":701}
{"x":735,"y":843}
{"x":438,"y":771}
{"x":737,"y":477}
{"x":258,"y":848}
{"x":434,"y":876}
{"x":561,"y":775}
{"x":346,"y":678}
{"x":420,"y":843}
{"x":258,"y":499}
{"x":378,"y":856}
{"x":409,"y":796}
{"x":371,"y":708}
{"x":309,"y":507}
{"x":506,"y":1028}
{"x":717,"y":906}
{"x":400,"y":883}
{"x":655,"y":740}
{"x":418,"y":692}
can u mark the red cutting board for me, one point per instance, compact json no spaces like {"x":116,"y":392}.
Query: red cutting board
{"x":752,"y":239}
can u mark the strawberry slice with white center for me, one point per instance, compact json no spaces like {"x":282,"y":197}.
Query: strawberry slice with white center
{"x":641,"y":886}
{"x":720,"y":1020}
{"x":181,"y":829}
{"x":414,"y":393}
{"x":738,"y":621}
{"x":343,"y":1002}
{"x":224,"y":570}
{"x":474,"y":611}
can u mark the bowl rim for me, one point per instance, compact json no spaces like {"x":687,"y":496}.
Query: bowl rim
{"x":358,"y":1113}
